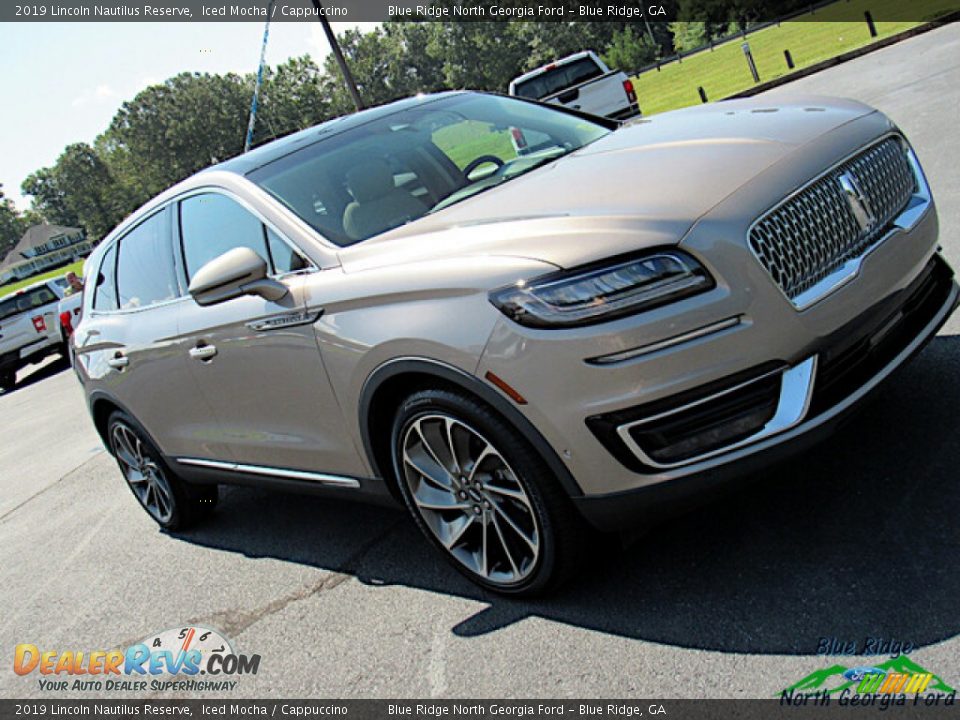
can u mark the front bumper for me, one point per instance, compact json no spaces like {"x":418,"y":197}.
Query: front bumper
{"x":830,"y":385}
{"x":614,"y":399}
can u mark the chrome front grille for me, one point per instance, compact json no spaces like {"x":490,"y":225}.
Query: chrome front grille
{"x":834,"y":219}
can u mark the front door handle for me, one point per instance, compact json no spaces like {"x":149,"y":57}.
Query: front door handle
{"x":118,"y":361}
{"x":203,"y":352}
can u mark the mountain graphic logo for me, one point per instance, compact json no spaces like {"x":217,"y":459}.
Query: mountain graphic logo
{"x":837,"y":678}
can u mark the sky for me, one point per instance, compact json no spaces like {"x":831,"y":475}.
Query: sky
{"x":63,"y":82}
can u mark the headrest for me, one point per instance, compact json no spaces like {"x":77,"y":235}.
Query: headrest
{"x":371,"y":179}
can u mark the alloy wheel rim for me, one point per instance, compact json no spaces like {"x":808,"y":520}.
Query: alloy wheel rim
{"x":470,"y":498}
{"x":142,"y":474}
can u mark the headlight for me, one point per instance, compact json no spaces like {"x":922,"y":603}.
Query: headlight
{"x":598,"y":293}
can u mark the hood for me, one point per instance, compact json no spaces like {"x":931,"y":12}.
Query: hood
{"x":641,"y":186}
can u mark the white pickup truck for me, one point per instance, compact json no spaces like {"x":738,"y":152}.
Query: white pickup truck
{"x":30,"y":328}
{"x":581,"y":81}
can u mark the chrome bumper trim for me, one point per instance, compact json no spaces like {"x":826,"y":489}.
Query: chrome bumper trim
{"x":796,"y":390}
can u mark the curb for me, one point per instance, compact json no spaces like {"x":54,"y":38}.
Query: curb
{"x":844,"y":57}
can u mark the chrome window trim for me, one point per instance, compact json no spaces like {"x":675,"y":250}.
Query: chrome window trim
{"x":322,"y":478}
{"x":220,"y":190}
{"x":104,"y":248}
{"x":796,"y":391}
{"x":917,"y":207}
{"x":175,"y":246}
{"x":130,"y":311}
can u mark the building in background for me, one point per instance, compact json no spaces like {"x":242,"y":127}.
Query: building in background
{"x":44,"y":247}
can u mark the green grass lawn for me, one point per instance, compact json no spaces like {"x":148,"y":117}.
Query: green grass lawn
{"x":462,"y":142}
{"x":724,"y":71}
{"x":77,"y":267}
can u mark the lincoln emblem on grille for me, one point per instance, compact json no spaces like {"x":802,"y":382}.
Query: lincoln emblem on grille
{"x":859,"y":205}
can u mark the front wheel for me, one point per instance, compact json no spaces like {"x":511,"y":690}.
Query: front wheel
{"x":483,"y":496}
{"x":171,"y":502}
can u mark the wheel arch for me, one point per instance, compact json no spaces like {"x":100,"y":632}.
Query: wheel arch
{"x":102,"y":406}
{"x":391,"y":382}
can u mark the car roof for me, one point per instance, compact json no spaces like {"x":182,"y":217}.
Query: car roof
{"x":276,"y":149}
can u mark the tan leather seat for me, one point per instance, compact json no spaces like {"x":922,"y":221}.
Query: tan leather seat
{"x":377,"y":203}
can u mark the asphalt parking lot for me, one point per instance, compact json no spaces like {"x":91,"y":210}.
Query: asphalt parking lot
{"x":857,"y":539}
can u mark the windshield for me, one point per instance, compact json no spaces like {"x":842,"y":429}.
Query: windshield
{"x":559,"y":77}
{"x":390,"y":171}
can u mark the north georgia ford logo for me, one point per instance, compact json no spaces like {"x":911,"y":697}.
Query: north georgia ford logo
{"x":186,"y":651}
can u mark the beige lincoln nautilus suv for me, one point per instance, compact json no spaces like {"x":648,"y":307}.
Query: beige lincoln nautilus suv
{"x":524,"y":322}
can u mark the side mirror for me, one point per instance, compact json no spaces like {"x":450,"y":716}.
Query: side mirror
{"x":237,"y":272}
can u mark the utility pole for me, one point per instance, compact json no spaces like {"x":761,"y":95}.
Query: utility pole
{"x":256,"y":88}
{"x":338,"y":54}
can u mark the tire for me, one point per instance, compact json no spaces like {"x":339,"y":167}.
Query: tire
{"x":8,"y":380}
{"x":172,"y":503}
{"x":494,"y":489}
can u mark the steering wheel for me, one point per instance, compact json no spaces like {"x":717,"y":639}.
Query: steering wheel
{"x":482,"y":160}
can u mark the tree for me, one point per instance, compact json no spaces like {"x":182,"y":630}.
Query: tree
{"x":699,"y":21}
{"x":49,"y":197}
{"x":78,"y":189}
{"x":479,"y":55}
{"x":291,"y":99}
{"x":629,"y":50}
{"x":170,"y":131}
{"x":366,"y":58}
{"x":387,"y":63}
{"x":688,"y":35}
{"x":411,"y":69}
{"x":95,"y":198}
{"x":12,"y":225}
{"x":549,"y":41}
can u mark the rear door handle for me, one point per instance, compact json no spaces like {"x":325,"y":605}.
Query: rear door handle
{"x":118,"y":361}
{"x":203,"y":352}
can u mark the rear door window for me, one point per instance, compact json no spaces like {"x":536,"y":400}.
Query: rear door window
{"x":145,"y":274}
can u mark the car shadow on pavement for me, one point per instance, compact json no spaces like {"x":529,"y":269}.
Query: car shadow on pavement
{"x":33,"y":374}
{"x":855,"y":539}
